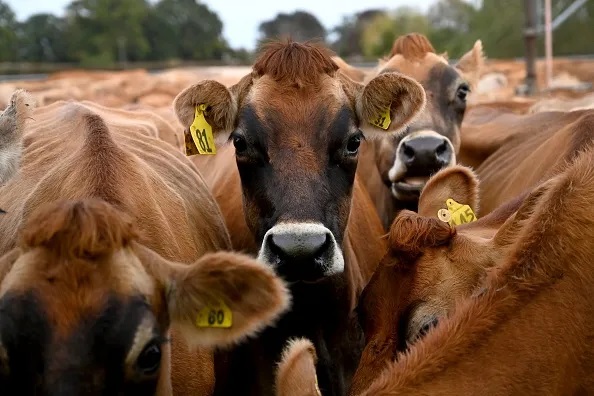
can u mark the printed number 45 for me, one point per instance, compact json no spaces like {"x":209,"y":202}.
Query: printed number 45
{"x":467,"y":216}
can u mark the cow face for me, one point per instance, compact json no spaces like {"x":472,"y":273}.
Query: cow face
{"x":84,"y":309}
{"x":432,"y":140}
{"x":296,"y":124}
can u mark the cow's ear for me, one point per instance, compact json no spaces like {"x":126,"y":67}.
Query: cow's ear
{"x":457,"y":182}
{"x":388,"y":103}
{"x":223,"y":298}
{"x":219,"y":103}
{"x":296,"y":372}
{"x":7,"y":261}
{"x":472,"y":63}
{"x":12,"y":129}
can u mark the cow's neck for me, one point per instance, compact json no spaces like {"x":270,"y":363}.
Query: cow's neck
{"x":321,"y":312}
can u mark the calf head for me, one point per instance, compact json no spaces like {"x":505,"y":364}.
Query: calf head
{"x":85,"y":309}
{"x":12,"y":122}
{"x":432,"y":140}
{"x":428,"y":267}
{"x":296,"y":123}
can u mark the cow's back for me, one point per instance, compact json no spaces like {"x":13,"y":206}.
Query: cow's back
{"x":512,"y":153}
{"x":74,"y":151}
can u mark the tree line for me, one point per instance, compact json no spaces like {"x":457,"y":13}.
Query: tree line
{"x":105,"y":32}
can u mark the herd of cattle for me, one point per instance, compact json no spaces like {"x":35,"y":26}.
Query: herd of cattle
{"x":349,"y":232}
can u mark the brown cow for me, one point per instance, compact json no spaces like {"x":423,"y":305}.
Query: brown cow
{"x":85,"y":308}
{"x":527,"y":328}
{"x":296,"y":124}
{"x":429,"y":266}
{"x":396,"y":168}
{"x":512,"y":153}
{"x":74,"y":151}
{"x":522,"y":325}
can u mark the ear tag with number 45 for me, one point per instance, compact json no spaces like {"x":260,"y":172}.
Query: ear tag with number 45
{"x":201,"y":132}
{"x":216,"y":315}
{"x":456,"y":213}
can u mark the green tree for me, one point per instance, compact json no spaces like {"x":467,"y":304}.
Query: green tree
{"x":451,"y":25}
{"x":350,"y":31}
{"x":8,"y":37}
{"x":575,"y":35}
{"x":300,"y":26}
{"x":500,"y":24}
{"x":379,"y":35}
{"x":102,"y":32}
{"x":184,"y":29}
{"x":42,"y":39}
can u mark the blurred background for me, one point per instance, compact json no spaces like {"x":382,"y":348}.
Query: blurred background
{"x":39,"y":38}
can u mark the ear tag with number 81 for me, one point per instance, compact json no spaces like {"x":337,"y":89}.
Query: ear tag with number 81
{"x":456,"y":213}
{"x":201,"y":132}
{"x":216,"y":315}
{"x":383,"y":120}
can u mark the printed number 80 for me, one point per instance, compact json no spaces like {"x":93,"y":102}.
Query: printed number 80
{"x":216,"y":316}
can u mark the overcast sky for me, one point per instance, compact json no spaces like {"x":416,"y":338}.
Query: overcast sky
{"x":242,"y":17}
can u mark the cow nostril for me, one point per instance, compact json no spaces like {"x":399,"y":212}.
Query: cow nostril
{"x":408,"y":151}
{"x":441,"y":149}
{"x":300,"y":245}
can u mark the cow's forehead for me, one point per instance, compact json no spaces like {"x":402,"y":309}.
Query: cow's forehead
{"x":421,"y":69}
{"x":69,"y":289}
{"x":296,"y":103}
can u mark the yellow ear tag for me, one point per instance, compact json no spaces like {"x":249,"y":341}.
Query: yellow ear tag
{"x":201,"y":132}
{"x":215,"y":315}
{"x":456,"y":213}
{"x":383,"y":120}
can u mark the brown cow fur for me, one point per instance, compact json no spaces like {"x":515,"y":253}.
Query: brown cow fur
{"x":75,"y":150}
{"x":74,"y":256}
{"x":352,"y":72}
{"x":513,"y":153}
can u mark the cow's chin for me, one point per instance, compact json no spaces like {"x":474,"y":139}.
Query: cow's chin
{"x":408,"y":189}
{"x":305,"y":272}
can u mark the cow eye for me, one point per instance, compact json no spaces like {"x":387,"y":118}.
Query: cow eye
{"x":239,"y":143}
{"x":353,"y":144}
{"x":462,"y":92}
{"x":149,"y":360}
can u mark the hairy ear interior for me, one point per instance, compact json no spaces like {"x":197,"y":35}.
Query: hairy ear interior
{"x":388,"y":103}
{"x":472,"y":63}
{"x":225,"y":297}
{"x":6,"y":263}
{"x":221,"y":106}
{"x":296,"y":372}
{"x":457,"y":182}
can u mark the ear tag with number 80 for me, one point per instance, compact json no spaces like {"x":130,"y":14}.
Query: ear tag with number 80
{"x":215,"y":315}
{"x":456,"y":213}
